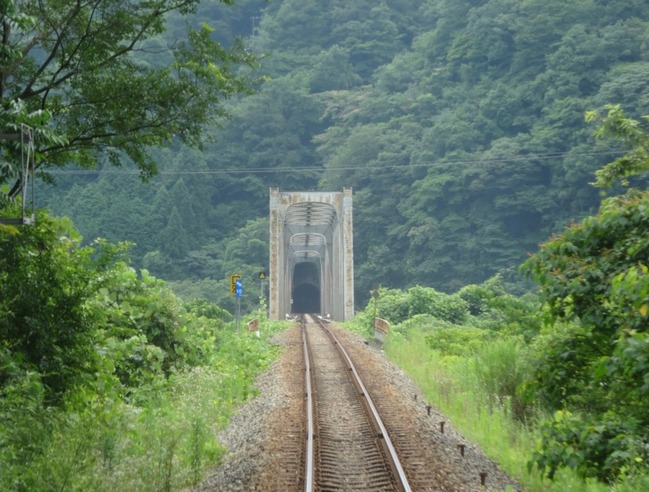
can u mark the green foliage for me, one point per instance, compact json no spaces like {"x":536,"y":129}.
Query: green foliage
{"x":632,"y":135}
{"x":562,"y":359}
{"x":474,"y":392}
{"x":602,"y":447}
{"x":501,"y":369}
{"x":595,"y":276}
{"x":79,"y":74}
{"x":459,"y":125}
{"x":576,"y":269}
{"x":146,"y":383}
{"x":481,"y":327}
{"x":202,"y":307}
{"x":460,"y":341}
{"x":423,"y":300}
{"x":141,"y":307}
{"x":25,"y":424}
{"x":333,"y":71}
{"x":165,"y":444}
{"x":48,"y":281}
{"x":485,"y":363}
{"x":496,"y":309}
{"x":397,"y":306}
{"x":477,"y":298}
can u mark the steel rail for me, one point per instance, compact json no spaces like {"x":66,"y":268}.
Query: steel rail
{"x":392,"y":452}
{"x":309,"y":475}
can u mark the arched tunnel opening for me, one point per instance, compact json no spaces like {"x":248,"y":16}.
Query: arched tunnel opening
{"x":306,"y":288}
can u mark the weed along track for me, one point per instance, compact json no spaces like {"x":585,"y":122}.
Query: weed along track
{"x":309,"y":429}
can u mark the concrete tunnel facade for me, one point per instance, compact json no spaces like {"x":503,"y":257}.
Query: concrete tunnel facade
{"x":311,"y":254}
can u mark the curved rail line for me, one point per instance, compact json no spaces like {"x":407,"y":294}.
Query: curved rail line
{"x":391,"y":456}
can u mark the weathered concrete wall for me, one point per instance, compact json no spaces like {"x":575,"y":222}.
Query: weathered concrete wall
{"x":315,"y":227}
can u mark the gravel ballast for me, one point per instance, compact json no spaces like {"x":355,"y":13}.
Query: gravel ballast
{"x":259,"y":460}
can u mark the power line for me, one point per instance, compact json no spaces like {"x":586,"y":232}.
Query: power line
{"x":293,"y":170}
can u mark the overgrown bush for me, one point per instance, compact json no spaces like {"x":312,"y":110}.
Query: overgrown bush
{"x":108,"y":381}
{"x":25,"y":423}
{"x":397,"y":306}
{"x":600,"y":446}
{"x":562,"y":364}
{"x":478,"y":297}
{"x":494,"y":308}
{"x":161,"y":437}
{"x":48,"y":281}
{"x":420,"y":322}
{"x":594,"y":356}
{"x":461,"y":341}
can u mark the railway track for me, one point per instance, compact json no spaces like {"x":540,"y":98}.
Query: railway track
{"x":311,"y":431}
{"x":348,"y":445}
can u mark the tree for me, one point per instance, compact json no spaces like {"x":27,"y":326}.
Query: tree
{"x":47,"y":281}
{"x":632,"y":135}
{"x":332,"y":70}
{"x":595,"y":276}
{"x":78,"y":73}
{"x":445,"y":174}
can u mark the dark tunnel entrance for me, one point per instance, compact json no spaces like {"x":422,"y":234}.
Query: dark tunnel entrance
{"x":306,"y":290}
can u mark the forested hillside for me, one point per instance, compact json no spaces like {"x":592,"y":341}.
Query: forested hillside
{"x":459,"y":125}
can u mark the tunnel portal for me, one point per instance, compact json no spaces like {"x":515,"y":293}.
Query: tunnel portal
{"x":306,"y":288}
{"x":311,"y":254}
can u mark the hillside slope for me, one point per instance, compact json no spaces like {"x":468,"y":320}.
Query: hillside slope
{"x":459,"y":125}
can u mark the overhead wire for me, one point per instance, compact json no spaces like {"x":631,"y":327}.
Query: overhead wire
{"x":292,"y":170}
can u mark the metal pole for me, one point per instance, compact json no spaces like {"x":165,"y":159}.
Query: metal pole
{"x":238,"y":314}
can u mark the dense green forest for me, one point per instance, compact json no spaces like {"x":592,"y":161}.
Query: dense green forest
{"x":459,"y":125}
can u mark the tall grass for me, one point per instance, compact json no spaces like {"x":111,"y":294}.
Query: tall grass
{"x":164,"y":445}
{"x":499,"y":370}
{"x":477,"y":392}
{"x":163,"y":442}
